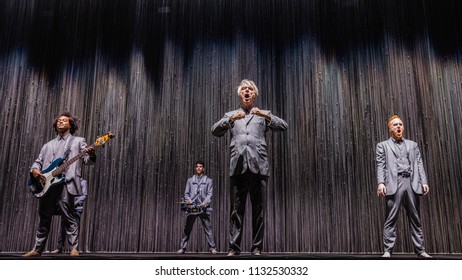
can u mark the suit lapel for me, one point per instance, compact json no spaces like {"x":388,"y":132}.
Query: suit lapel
{"x":392,"y":146}
{"x":409,"y":151}
{"x":249,"y":118}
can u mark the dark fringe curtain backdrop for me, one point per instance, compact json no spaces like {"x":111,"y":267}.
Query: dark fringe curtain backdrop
{"x":158,"y":74}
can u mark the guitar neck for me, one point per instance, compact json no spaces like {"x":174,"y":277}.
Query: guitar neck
{"x":65,"y":165}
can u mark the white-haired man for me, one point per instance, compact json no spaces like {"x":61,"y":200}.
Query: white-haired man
{"x":249,"y":167}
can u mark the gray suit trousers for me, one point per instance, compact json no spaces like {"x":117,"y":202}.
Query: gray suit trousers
{"x":205,"y":219}
{"x":404,"y":196}
{"x":47,"y":206}
{"x":62,"y":230}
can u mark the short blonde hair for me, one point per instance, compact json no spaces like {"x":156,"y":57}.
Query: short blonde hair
{"x":392,"y":118}
{"x":246,"y":82}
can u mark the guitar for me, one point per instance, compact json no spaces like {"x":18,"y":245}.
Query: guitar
{"x":53,"y":174}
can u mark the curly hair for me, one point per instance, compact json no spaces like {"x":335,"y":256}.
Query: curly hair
{"x":73,"y":121}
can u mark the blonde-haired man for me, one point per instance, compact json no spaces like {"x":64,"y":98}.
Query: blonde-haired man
{"x":401,"y":180}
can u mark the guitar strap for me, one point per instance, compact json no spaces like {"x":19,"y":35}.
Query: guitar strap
{"x":68,"y":147}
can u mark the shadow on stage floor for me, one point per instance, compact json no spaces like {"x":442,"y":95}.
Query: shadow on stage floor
{"x":222,"y":256}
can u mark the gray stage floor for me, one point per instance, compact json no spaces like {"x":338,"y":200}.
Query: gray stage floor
{"x":222,"y":255}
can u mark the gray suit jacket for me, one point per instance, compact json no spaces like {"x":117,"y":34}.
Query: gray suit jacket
{"x":248,"y":146}
{"x":386,"y":156}
{"x":73,"y":173}
{"x":202,"y":187}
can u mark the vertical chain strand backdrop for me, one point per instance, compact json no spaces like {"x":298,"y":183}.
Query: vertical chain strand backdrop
{"x":159,"y":73}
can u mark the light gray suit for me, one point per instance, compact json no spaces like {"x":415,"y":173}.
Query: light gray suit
{"x":199,"y":190}
{"x":401,"y":189}
{"x":78,"y":207}
{"x":62,"y":195}
{"x":73,"y":173}
{"x":248,"y":145}
{"x":249,"y":171}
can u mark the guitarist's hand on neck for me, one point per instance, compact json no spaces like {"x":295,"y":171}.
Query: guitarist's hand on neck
{"x":91,"y":152}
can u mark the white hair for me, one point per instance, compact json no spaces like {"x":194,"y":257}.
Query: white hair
{"x":246,"y":82}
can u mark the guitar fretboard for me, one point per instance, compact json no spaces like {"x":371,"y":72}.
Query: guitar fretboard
{"x":65,"y":165}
